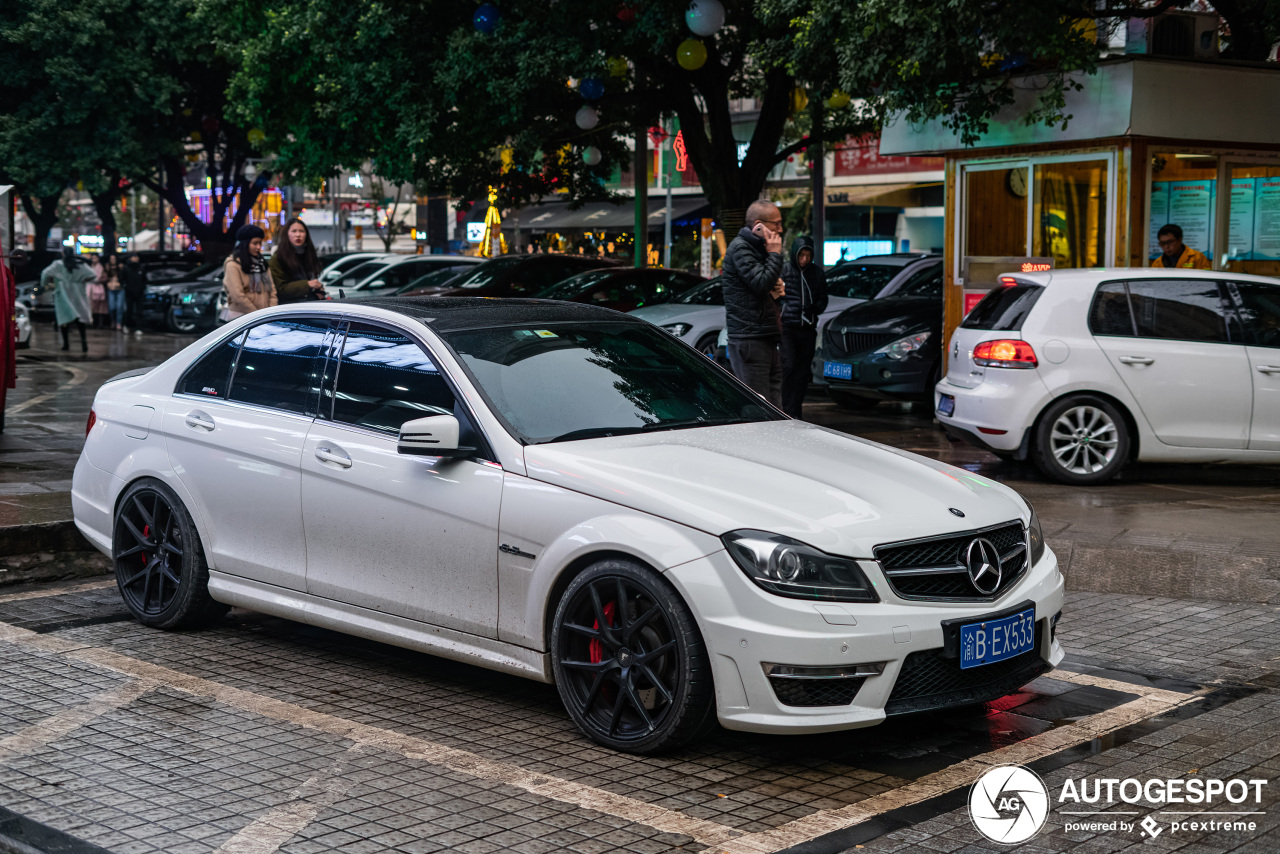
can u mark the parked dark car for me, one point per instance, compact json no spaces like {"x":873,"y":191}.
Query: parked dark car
{"x":395,"y":274}
{"x":160,"y":265}
{"x":623,"y":289}
{"x":194,"y":306}
{"x":888,"y":348}
{"x":517,"y":275}
{"x":437,"y":279}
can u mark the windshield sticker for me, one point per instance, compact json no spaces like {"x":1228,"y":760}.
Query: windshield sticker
{"x":545,"y":333}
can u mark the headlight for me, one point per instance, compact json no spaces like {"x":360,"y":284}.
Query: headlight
{"x":1035,"y":537}
{"x":677,"y":329}
{"x":19,"y":311}
{"x":198,"y":298}
{"x":903,"y":347}
{"x":789,"y":568}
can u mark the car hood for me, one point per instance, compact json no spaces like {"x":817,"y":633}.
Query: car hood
{"x":673,"y":312}
{"x":836,"y":492}
{"x":896,"y":315}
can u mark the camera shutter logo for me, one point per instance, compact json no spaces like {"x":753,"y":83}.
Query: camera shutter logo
{"x":1009,"y":804}
{"x":982,"y":560}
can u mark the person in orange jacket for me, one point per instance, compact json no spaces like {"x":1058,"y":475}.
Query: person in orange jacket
{"x":1175,"y":253}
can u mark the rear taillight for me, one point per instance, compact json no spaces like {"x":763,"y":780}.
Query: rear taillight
{"x":93,"y":419}
{"x":1005,"y":353}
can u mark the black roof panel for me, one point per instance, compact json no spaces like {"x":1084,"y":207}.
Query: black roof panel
{"x":445,"y":314}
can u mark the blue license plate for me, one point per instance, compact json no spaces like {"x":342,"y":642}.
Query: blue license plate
{"x":837,"y":370}
{"x":946,"y":405}
{"x":996,"y":640}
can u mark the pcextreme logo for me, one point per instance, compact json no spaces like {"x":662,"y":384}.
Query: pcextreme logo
{"x":1009,"y":804}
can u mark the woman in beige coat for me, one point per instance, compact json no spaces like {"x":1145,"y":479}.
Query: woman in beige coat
{"x":246,"y":277}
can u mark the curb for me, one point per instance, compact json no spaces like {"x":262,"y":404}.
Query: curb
{"x":48,"y":551}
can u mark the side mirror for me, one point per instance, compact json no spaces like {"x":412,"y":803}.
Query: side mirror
{"x":433,"y":436}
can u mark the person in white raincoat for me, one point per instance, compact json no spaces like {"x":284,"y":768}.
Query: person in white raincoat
{"x":68,"y":277}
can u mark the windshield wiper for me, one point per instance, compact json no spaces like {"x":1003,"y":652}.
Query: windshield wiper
{"x":692,"y":422}
{"x":590,"y":433}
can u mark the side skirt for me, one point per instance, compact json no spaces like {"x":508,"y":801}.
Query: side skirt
{"x":384,"y":628}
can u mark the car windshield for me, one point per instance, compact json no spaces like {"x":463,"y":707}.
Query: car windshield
{"x":487,"y":272}
{"x":710,"y":292}
{"x":436,"y":278}
{"x":574,"y":285}
{"x":557,"y":382}
{"x":856,"y":280}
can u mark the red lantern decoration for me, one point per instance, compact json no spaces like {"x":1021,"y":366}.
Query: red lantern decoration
{"x":626,"y":13}
{"x":658,"y":135}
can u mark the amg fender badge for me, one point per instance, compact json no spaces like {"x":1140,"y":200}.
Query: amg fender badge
{"x":512,"y":550}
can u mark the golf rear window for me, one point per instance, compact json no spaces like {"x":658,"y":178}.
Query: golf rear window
{"x":1004,"y":309}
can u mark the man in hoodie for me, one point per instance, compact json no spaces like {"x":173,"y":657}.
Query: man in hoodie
{"x":805,"y":299}
{"x":751,"y":289}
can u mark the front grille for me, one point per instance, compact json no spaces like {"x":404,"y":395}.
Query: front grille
{"x":841,"y":344}
{"x":816,"y":692}
{"x":934,"y":568}
{"x":928,"y":680}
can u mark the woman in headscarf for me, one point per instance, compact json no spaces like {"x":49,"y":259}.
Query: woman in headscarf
{"x":295,"y":269}
{"x":245,"y":276}
{"x":69,"y":277}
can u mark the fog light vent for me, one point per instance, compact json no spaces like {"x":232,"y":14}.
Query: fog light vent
{"x":799,"y":685}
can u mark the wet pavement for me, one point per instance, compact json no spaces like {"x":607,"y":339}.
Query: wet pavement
{"x":262,"y":735}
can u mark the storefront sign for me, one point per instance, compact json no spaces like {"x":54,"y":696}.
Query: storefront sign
{"x":1191,"y":207}
{"x":1240,"y":219}
{"x":1266,"y":220}
{"x":861,"y":156}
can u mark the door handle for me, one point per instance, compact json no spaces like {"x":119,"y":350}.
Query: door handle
{"x":1136,"y":360}
{"x":325,"y":454}
{"x":1269,"y":369}
{"x":200,"y":421}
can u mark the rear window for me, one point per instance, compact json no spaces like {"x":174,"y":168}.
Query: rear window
{"x":1004,"y":309}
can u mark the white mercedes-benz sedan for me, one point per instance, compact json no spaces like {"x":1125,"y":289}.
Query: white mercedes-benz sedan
{"x":566,"y":493}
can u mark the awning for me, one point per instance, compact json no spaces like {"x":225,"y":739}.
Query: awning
{"x":859,"y":194}
{"x":556,"y":216}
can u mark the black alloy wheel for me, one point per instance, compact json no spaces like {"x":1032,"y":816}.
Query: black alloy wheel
{"x":629,"y":662}
{"x":159,"y":562}
{"x":707,"y":345}
{"x":178,"y":324}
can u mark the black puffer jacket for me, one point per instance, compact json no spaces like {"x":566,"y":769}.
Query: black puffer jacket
{"x":750,"y":273}
{"x":806,"y":296}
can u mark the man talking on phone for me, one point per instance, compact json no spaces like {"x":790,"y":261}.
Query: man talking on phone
{"x":752,"y":288}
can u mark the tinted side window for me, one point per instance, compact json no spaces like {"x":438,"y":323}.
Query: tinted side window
{"x":280,"y":364}
{"x":925,"y":283}
{"x":1004,"y":309}
{"x":385,"y":379}
{"x":209,"y":376}
{"x":1178,"y":309}
{"x":1260,"y":307}
{"x":1109,"y":314}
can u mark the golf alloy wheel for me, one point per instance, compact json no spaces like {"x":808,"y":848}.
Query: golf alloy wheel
{"x":629,"y":662}
{"x":1082,"y":440}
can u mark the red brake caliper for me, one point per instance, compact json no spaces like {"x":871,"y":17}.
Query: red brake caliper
{"x":146,"y":532}
{"x":596,"y":647}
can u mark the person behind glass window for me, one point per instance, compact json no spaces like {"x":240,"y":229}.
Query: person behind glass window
{"x":1174,"y":253}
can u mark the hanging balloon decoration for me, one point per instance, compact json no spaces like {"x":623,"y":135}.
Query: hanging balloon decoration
{"x":591,"y":155}
{"x":691,"y":54}
{"x":704,"y":17}
{"x":587,"y":117}
{"x":591,"y":88}
{"x":617,"y":66}
{"x":256,"y":136}
{"x":799,"y":99}
{"x":838,"y":100}
{"x":486,"y":18}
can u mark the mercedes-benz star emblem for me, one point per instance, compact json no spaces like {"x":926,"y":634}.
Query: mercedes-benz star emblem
{"x":983,"y":562}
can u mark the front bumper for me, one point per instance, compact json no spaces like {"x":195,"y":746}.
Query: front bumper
{"x":880,"y":377}
{"x":745,"y":627}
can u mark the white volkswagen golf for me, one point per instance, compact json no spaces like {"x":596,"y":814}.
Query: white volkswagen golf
{"x":569,"y":494}
{"x":1084,"y":370}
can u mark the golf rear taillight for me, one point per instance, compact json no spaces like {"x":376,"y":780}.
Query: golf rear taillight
{"x":93,"y":419}
{"x":1005,"y":353}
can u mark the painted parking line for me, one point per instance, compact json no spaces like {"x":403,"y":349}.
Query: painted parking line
{"x":270,"y":830}
{"x":61,"y":591}
{"x":31,"y":738}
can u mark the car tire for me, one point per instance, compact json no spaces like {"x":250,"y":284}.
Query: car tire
{"x":1081,"y":439}
{"x":173,"y":324}
{"x":643,"y":684}
{"x":707,"y":345}
{"x":853,"y":402}
{"x":164,"y":580}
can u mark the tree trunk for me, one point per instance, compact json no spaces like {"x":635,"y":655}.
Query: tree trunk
{"x":43,"y":216}
{"x":215,"y":242}
{"x":103,"y":205}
